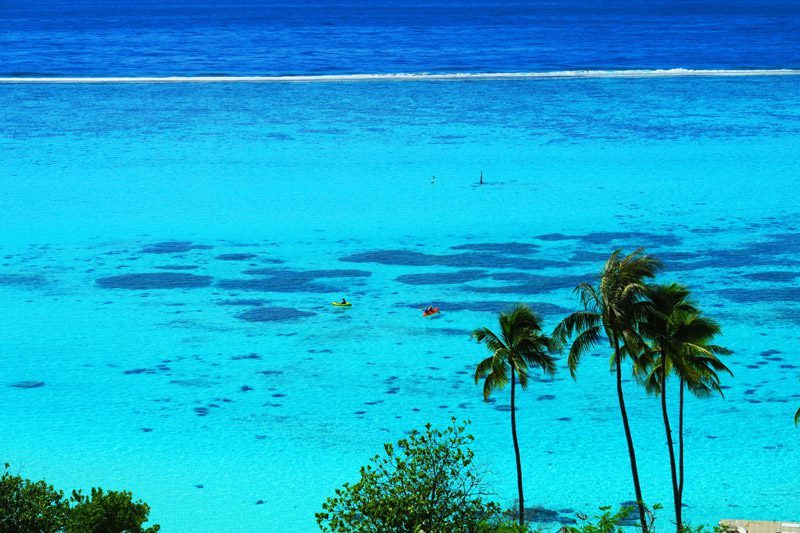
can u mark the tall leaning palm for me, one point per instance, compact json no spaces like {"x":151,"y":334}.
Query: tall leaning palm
{"x":678,"y":340}
{"x":519,"y":345}
{"x":611,"y":312}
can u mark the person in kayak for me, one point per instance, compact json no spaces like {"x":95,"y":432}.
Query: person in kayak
{"x":344,"y":302}
{"x":429,"y":309}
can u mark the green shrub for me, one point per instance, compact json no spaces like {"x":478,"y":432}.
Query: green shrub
{"x":426,"y":482}
{"x":35,"y":507}
{"x":27,"y":506}
{"x":108,"y":512}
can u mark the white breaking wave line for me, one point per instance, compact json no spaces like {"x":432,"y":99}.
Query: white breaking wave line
{"x":566,"y":74}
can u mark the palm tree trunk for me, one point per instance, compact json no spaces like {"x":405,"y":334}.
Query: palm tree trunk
{"x":516,"y":450}
{"x":631,"y":452}
{"x":675,"y":496}
{"x":679,"y":504}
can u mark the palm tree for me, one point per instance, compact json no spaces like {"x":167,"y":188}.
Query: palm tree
{"x":519,"y":346}
{"x":677,"y":340}
{"x":698,"y":373}
{"x":611,"y":312}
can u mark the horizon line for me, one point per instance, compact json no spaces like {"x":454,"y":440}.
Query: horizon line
{"x":465,"y":76}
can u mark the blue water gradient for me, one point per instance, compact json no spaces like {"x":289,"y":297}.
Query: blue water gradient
{"x":170,"y":252}
{"x":258,"y":37}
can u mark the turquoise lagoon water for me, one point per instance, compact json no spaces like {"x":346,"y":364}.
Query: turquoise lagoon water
{"x":223,"y":388}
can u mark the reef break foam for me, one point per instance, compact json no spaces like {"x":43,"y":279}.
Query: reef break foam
{"x":330,"y":78}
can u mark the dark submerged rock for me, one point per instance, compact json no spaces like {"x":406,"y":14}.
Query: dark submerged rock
{"x":27,"y":384}
{"x":273,"y":314}
{"x":173,"y":247}
{"x":156,"y":280}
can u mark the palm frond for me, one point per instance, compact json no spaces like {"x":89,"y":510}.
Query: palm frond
{"x":522,"y":375}
{"x":484,"y":368}
{"x":495,"y":380}
{"x":519,"y":345}
{"x":575,"y":323}
{"x":586,"y":341}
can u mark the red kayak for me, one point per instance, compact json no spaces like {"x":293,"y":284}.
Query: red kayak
{"x":430,"y":312}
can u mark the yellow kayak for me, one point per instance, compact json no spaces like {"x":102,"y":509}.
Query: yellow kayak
{"x":340,"y":304}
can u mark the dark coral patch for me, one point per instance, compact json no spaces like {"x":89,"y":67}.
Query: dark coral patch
{"x":276,"y":284}
{"x":27,"y":384}
{"x":461,"y":260}
{"x":780,"y":250}
{"x":173,"y":247}
{"x":272,"y":314}
{"x":253,"y":356}
{"x":775,"y":277}
{"x":493,"y":306}
{"x":177,"y":267}
{"x":544,"y":515}
{"x":157,"y":280}
{"x":22,"y":280}
{"x":508,"y":248}
{"x":554,"y":237}
{"x":236,"y":257}
{"x":252,"y":302}
{"x":778,"y":244}
{"x":585,"y":256}
{"x":279,"y":280}
{"x":450,"y":331}
{"x":309,"y":275}
{"x":137,"y":371}
{"x":442,"y":278}
{"x":635,"y":238}
{"x":534,"y":284}
{"x":676,"y":256}
{"x":783,"y":294}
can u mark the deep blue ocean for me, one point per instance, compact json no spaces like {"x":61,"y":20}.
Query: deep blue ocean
{"x":170,"y":250}
{"x":252,"y":37}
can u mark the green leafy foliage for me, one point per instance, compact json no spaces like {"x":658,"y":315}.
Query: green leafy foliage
{"x":34,"y":506}
{"x":425,"y":482}
{"x":502,"y":526}
{"x":27,"y":506}
{"x":688,"y":528}
{"x":108,"y":512}
{"x":606,"y":522}
{"x":616,"y":522}
{"x":519,"y":346}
